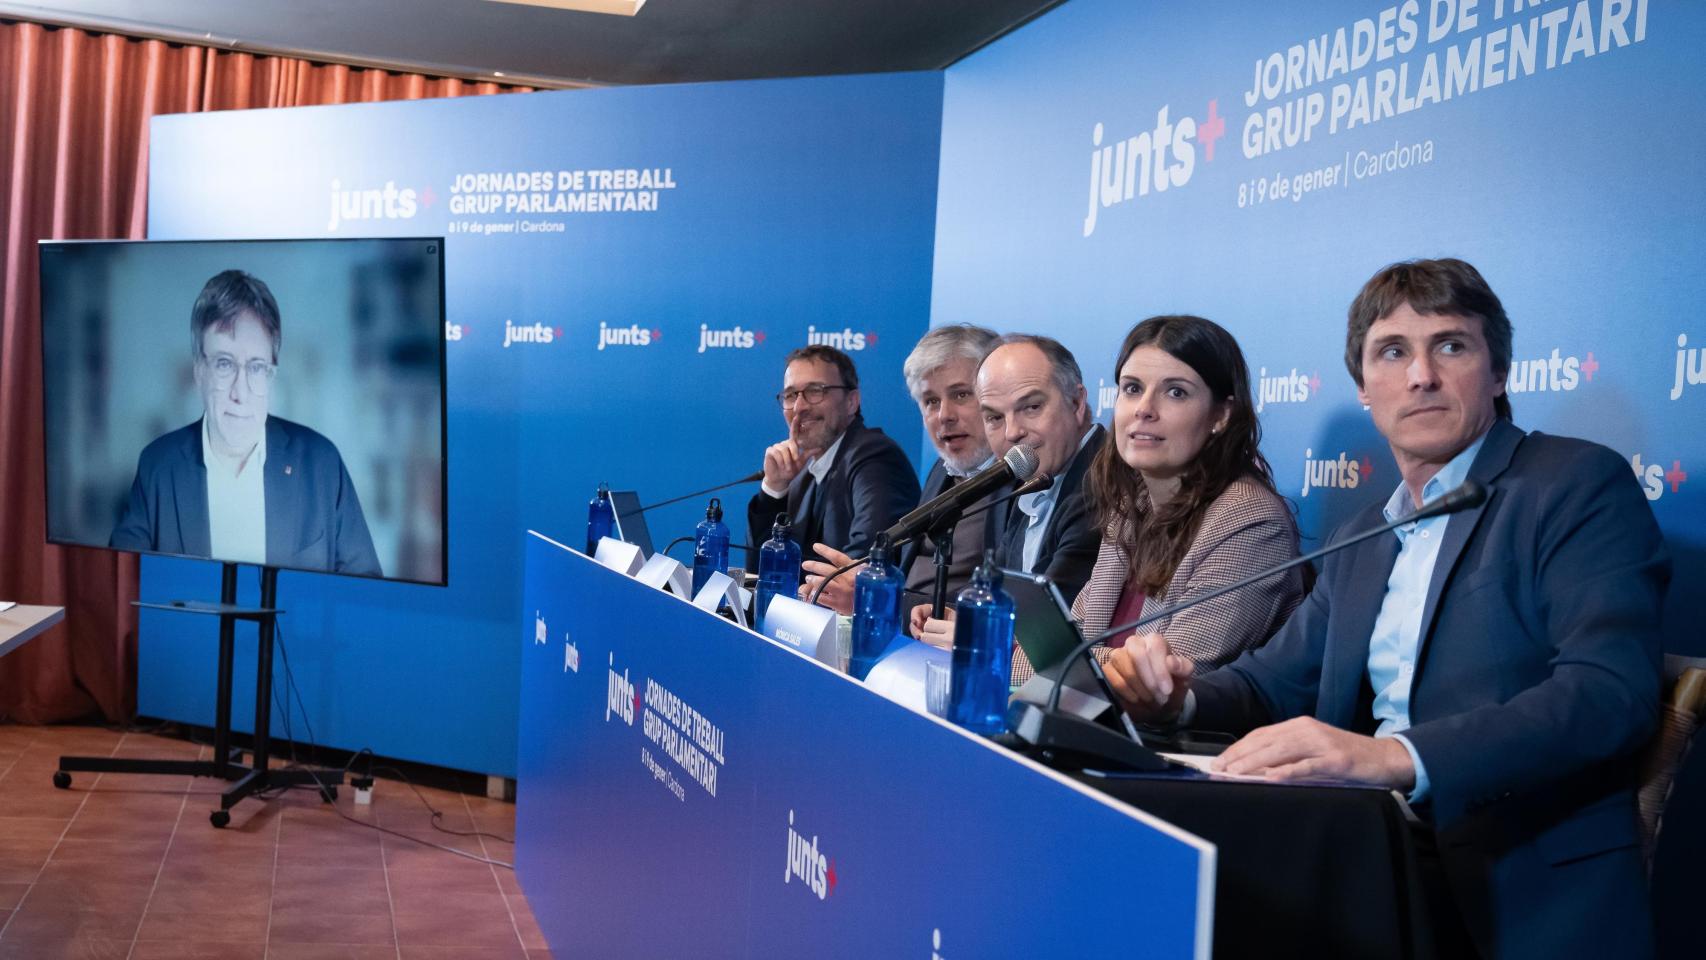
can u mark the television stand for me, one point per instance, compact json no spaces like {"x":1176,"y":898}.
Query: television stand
{"x":246,"y":779}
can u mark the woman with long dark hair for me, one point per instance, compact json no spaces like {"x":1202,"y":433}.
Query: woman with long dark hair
{"x":1185,"y":499}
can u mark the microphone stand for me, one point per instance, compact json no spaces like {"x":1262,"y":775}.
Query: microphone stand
{"x":699,"y":493}
{"x":1038,"y":482}
{"x":1067,"y":736}
{"x":942,"y":538}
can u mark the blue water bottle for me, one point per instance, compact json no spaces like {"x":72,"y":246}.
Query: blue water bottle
{"x":876,"y":609}
{"x":983,"y":652}
{"x":600,"y":518}
{"x":710,"y":545}
{"x":778,"y":567}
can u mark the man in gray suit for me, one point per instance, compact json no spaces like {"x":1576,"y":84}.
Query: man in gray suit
{"x":941,"y":374}
{"x":1030,"y":391}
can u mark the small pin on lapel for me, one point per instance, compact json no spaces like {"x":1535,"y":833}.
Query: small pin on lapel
{"x":287,"y":469}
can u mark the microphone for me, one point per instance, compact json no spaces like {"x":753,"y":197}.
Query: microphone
{"x":1462,"y":497}
{"x":749,"y":478}
{"x":1037,"y":482}
{"x":1052,"y":730}
{"x":1018,"y":465}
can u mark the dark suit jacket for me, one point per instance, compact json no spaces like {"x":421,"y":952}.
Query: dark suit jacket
{"x":1537,"y":679}
{"x":314,"y":519}
{"x":1071,"y":539}
{"x":918,"y":560}
{"x":870,"y":485}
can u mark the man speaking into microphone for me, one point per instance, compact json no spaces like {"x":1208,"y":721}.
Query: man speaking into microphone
{"x":941,"y":375}
{"x":1499,"y":665}
{"x":840,"y":481}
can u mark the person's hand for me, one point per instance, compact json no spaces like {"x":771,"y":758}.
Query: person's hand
{"x":1148,"y":678}
{"x":782,"y":463}
{"x":838,"y":596}
{"x":924,"y":627}
{"x":1305,"y":748}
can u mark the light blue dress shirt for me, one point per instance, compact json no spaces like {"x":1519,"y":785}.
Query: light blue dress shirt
{"x":1397,"y":630}
{"x":1038,"y":507}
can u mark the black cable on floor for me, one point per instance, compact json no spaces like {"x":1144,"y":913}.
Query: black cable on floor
{"x":436,"y":815}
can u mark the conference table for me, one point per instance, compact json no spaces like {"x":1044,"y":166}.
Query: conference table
{"x":1302,"y":871}
{"x":687,"y":787}
{"x":22,"y":623}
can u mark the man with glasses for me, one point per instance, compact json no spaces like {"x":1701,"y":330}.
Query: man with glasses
{"x":840,"y":481}
{"x":239,"y":485}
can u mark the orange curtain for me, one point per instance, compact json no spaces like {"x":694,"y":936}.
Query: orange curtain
{"x":74,"y":111}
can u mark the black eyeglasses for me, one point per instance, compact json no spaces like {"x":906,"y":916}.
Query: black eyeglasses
{"x":812,"y":392}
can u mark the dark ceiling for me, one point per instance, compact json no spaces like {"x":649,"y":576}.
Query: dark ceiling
{"x":670,"y":41}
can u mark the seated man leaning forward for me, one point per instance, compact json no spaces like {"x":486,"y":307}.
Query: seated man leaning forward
{"x":1031,"y":392}
{"x":1499,"y":665}
{"x":239,"y":484}
{"x":839,"y":481}
{"x":941,"y":374}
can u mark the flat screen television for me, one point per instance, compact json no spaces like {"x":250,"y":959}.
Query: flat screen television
{"x":273,"y":402}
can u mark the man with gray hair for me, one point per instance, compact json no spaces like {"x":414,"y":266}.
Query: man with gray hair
{"x":1030,"y":391}
{"x":241,"y":484}
{"x":941,"y":374}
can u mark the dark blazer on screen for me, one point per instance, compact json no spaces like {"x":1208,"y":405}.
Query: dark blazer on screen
{"x":314,"y":518}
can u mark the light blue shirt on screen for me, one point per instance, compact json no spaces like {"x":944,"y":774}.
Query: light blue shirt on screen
{"x":1397,"y":630}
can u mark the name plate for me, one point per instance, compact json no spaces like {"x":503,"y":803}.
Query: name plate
{"x":806,"y":627}
{"x":720,"y":588}
{"x":899,"y":675}
{"x":667,"y":573}
{"x":624,"y":558}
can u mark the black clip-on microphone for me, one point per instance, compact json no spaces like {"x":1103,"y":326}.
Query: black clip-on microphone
{"x":1067,"y":738}
{"x":1040,"y":481}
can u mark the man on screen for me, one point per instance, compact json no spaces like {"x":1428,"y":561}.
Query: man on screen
{"x":1499,"y":665}
{"x":239,"y":485}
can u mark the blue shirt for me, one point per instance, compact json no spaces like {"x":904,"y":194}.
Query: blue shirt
{"x":1397,"y":630}
{"x":1038,"y":507}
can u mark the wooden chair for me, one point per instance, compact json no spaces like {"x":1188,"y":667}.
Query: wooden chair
{"x":1679,"y":716}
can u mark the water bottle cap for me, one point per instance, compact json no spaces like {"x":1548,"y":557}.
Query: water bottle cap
{"x":988,"y":570}
{"x":781,"y":528}
{"x":715,"y":510}
{"x":880,"y":548}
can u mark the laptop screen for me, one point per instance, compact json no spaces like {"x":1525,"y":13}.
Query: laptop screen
{"x":630,"y":522}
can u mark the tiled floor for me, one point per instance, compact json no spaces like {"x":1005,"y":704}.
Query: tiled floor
{"x":127,"y":866}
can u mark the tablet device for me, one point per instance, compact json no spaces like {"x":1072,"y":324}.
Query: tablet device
{"x":1045,"y":630}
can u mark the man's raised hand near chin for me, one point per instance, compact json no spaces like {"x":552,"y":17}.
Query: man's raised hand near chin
{"x":782,"y":463}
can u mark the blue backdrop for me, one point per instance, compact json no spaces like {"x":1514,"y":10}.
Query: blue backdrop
{"x":1255,"y":163}
{"x":625,"y":271}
